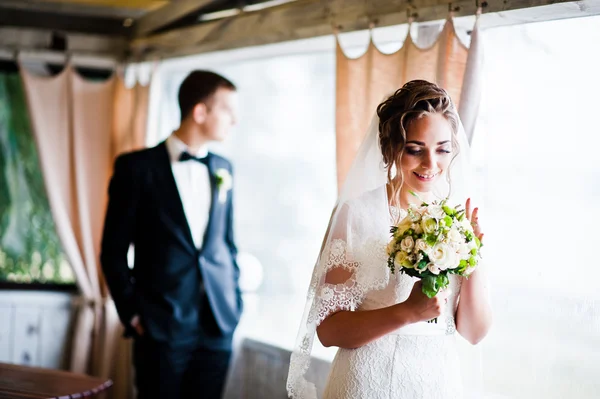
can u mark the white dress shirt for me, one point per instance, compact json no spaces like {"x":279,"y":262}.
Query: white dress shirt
{"x":193,"y":183}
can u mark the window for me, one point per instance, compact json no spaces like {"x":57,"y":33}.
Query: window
{"x":283,"y":153}
{"x":536,"y":149}
{"x":30,"y":251}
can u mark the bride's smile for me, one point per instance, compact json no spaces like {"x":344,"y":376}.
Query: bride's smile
{"x":428,"y":152}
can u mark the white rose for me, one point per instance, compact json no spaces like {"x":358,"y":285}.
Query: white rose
{"x":407,"y":244}
{"x":466,"y":224}
{"x":464,"y":251}
{"x":452,"y":261}
{"x":429,"y":224}
{"x":443,"y":256}
{"x":455,"y":236}
{"x":224,"y":183}
{"x":436,"y":211}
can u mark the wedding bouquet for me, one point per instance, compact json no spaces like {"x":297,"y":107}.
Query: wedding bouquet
{"x":431,"y":242}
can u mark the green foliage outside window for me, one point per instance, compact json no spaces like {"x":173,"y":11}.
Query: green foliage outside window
{"x":30,"y":250}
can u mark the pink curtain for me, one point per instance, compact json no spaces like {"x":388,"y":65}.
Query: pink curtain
{"x":362,"y":83}
{"x":80,"y":126}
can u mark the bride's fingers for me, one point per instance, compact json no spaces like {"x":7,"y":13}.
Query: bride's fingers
{"x":475,"y":223}
{"x":468,"y":208}
{"x":474,"y":215}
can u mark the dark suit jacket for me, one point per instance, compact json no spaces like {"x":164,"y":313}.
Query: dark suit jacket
{"x":182,"y":294}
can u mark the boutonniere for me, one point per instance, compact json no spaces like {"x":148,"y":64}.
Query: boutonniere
{"x":224,"y":183}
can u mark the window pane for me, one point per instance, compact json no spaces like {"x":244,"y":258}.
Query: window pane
{"x":284,"y":158}
{"x":30,"y":250}
{"x":535,"y":145}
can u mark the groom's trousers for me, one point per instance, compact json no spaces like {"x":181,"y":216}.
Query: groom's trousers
{"x":178,"y":372}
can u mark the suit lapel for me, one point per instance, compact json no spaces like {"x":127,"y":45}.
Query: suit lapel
{"x":214,"y":203}
{"x":173,"y":205}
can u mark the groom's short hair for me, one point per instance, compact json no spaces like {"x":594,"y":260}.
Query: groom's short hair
{"x":198,"y":87}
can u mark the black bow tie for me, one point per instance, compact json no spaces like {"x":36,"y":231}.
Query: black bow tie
{"x":186,"y":156}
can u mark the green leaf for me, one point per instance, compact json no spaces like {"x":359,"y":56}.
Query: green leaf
{"x":469,"y":236}
{"x":430,"y":239}
{"x":390,"y":263}
{"x":442,"y":280}
{"x":449,"y":211}
{"x":430,"y":286}
{"x":422,"y":265}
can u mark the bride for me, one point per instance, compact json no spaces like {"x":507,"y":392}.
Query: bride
{"x":387,"y":349}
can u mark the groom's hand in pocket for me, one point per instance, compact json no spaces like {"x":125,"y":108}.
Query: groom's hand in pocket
{"x":424,"y":308}
{"x":137,"y":325}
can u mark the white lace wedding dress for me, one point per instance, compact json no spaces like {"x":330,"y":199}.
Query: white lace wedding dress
{"x":419,"y":361}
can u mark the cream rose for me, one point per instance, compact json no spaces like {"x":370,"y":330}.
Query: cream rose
{"x":391,"y":247}
{"x":433,"y":268}
{"x":407,"y":244}
{"x":417,"y":228}
{"x":403,"y":226}
{"x":421,"y":245}
{"x":429,"y":224}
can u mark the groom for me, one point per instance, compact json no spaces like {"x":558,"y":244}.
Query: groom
{"x":181,"y":300}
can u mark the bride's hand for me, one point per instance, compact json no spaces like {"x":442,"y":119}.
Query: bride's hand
{"x":474,"y":219}
{"x":424,"y":308}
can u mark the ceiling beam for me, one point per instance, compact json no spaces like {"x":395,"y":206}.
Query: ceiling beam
{"x":310,"y":18}
{"x":62,"y":22}
{"x":14,"y":40}
{"x":89,"y":8}
{"x":166,"y":15}
{"x":145,"y":4}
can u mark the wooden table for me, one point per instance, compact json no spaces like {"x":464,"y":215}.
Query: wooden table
{"x":30,"y":382}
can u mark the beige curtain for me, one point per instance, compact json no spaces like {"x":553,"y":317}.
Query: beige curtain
{"x":79,"y":127}
{"x":70,"y":118}
{"x":128,"y":134}
{"x":130,"y":117}
{"x":362,"y":83}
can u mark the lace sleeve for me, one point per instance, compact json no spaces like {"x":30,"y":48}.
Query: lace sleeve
{"x":332,"y":298}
